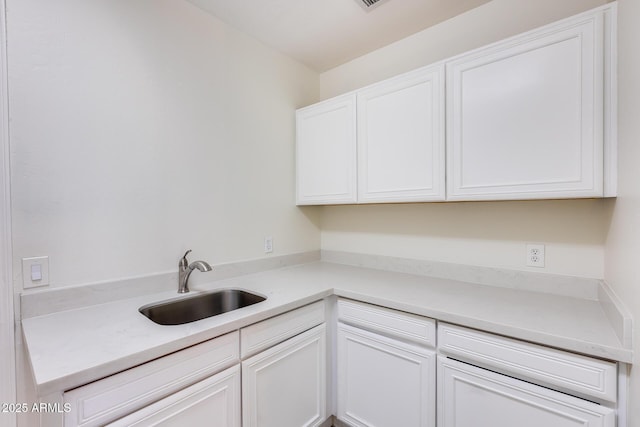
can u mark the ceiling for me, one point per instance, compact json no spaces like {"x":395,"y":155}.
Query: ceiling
{"x":325,"y":33}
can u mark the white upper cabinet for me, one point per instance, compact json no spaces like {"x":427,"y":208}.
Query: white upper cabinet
{"x":401,"y":138}
{"x":326,"y":152}
{"x":530,"y":117}
{"x":526,"y":116}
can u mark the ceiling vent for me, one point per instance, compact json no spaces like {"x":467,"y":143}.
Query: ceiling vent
{"x":370,"y":4}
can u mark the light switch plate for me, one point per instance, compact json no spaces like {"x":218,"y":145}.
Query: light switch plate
{"x":32,"y":276}
{"x":268,"y":245}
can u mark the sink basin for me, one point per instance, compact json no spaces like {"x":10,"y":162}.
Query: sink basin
{"x":190,"y":309}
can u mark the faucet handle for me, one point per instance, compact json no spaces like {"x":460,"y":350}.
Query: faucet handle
{"x":183,"y":261}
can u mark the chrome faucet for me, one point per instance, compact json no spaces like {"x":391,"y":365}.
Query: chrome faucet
{"x":185,"y":269}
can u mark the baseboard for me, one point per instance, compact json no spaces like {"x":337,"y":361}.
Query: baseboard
{"x":338,"y":423}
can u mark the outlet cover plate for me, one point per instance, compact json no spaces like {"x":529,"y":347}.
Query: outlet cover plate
{"x":535,"y":255}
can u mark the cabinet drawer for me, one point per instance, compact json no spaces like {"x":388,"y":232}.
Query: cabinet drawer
{"x":572,"y":373}
{"x":214,"y":398}
{"x":469,"y":396}
{"x":108,"y":399}
{"x":388,"y":322}
{"x":260,"y":336}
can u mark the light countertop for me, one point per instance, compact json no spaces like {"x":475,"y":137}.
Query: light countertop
{"x":74,"y":347}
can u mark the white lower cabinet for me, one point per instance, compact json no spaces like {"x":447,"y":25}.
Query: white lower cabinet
{"x":384,"y":382}
{"x":285,"y":386}
{"x":282,"y":381}
{"x":581,"y":376}
{"x":214,"y":402}
{"x":386,"y":367}
{"x":469,"y":396}
{"x":392,"y":369}
{"x":166,"y":380}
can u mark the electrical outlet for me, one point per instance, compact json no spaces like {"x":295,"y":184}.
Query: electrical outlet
{"x":35,"y":272}
{"x":268,"y":245}
{"x":535,"y":255}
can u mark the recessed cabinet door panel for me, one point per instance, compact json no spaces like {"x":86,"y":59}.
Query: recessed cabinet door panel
{"x":401,"y":138}
{"x":285,"y":386}
{"x":383,"y":382}
{"x":526,"y":117}
{"x":472,"y":397}
{"x":326,"y":152}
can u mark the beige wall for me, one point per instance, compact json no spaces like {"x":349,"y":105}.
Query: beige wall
{"x":622,"y":249}
{"x":142,"y":129}
{"x":491,"y":234}
{"x":488,"y":234}
{"x":485,"y":24}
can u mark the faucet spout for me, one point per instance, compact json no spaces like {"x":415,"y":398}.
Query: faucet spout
{"x":200,"y":265}
{"x":185,"y":269}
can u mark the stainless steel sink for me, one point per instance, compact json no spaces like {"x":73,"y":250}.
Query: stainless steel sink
{"x":190,"y":309}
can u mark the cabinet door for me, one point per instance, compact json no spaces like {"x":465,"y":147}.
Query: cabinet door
{"x":214,"y":402}
{"x":525,"y":116}
{"x":383,"y":382}
{"x":285,"y":386}
{"x":401,"y":138}
{"x":326,"y":152}
{"x":470,"y":397}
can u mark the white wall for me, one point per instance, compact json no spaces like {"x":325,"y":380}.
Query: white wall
{"x":487,"y":234}
{"x":140,"y":129}
{"x":622,"y":250}
{"x":7,"y":322}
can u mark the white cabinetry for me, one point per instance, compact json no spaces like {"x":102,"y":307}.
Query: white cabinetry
{"x":384,"y":381}
{"x":530,"y":117}
{"x":214,"y":402}
{"x":583,"y":376}
{"x":385,"y":365}
{"x":326,"y":152}
{"x":401,"y":138}
{"x":526,"y":116}
{"x":285,"y":383}
{"x":285,"y":386}
{"x":103,"y":401}
{"x":470,"y":397}
{"x":523,"y":384}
